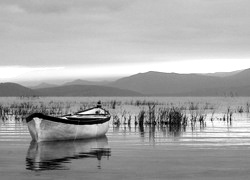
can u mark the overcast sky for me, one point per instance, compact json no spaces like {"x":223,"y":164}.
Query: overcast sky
{"x":113,"y":38}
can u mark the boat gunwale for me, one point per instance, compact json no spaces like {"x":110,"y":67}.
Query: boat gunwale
{"x":73,"y":120}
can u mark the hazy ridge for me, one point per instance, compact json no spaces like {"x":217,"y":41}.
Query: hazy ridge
{"x":13,"y":89}
{"x":173,"y":84}
{"x":85,"y":90}
{"x":236,"y":83}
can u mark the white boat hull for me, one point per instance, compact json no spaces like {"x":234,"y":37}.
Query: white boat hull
{"x":45,"y":130}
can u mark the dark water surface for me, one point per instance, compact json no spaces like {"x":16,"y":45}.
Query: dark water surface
{"x":218,"y":151}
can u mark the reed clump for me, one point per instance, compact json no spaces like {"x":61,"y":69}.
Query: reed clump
{"x":240,"y":109}
{"x":173,"y":119}
{"x":151,"y":114}
{"x":229,"y":114}
{"x":193,"y":106}
{"x":165,"y":116}
{"x":143,"y":102}
{"x":247,"y":107}
{"x":20,"y":110}
{"x":116,"y":120}
{"x":141,"y":117}
{"x":175,"y":116}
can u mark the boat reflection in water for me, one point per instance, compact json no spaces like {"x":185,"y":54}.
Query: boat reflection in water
{"x":57,"y":154}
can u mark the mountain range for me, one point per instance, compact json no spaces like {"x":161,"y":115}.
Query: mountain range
{"x":236,"y":83}
{"x":173,"y":84}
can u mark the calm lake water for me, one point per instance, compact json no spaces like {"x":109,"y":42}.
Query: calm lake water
{"x":220,"y":150}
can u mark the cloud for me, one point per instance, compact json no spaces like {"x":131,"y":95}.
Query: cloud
{"x":10,"y":72}
{"x":61,"y":6}
{"x":114,"y":71}
{"x":100,"y":32}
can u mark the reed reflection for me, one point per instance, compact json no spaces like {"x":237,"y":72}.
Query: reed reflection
{"x":161,"y":131}
{"x":56,"y":155}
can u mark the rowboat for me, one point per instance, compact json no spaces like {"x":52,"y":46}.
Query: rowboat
{"x":89,"y":123}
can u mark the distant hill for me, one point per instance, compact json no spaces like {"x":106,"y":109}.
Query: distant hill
{"x":85,"y":90}
{"x":243,"y":76}
{"x":158,"y":83}
{"x":43,"y":85}
{"x":223,"y":74}
{"x":85,"y":82}
{"x":173,"y":84}
{"x":150,"y":83}
{"x":234,"y":85}
{"x":13,"y":89}
{"x":222,"y":91}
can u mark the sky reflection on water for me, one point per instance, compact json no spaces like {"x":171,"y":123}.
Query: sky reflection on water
{"x":215,"y":133}
{"x":47,"y":156}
